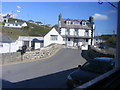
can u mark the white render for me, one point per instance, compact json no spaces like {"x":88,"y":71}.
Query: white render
{"x":14,"y":46}
{"x":77,"y":32}
{"x":15,"y":26}
{"x":9,"y":47}
{"x":47,"y":38}
{"x":29,"y":39}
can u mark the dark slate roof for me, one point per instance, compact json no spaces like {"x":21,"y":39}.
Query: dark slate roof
{"x":5,"y":38}
{"x":87,"y":26}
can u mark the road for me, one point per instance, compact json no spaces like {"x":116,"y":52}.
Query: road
{"x":47,"y":73}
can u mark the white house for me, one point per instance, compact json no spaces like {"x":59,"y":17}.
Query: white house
{"x":76,"y":32}
{"x":53,"y":37}
{"x":16,"y":24}
{"x":7,"y":45}
{"x":30,"y":42}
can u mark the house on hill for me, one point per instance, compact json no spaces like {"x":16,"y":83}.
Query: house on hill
{"x":77,"y":32}
{"x":15,"y":24}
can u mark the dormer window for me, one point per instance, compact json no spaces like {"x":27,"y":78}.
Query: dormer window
{"x":83,"y":23}
{"x":68,"y":22}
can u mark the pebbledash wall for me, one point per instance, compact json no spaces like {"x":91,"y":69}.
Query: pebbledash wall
{"x":9,"y":58}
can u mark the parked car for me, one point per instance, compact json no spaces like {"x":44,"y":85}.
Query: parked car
{"x":103,"y":46}
{"x":89,"y":71}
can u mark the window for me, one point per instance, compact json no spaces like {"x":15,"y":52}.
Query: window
{"x":64,"y":39}
{"x":86,"y":40}
{"x":26,"y":43}
{"x":54,"y":37}
{"x":86,"y":33}
{"x":76,"y":31}
{"x":68,"y":39}
{"x":83,"y":23}
{"x":16,"y":24}
{"x":1,"y":45}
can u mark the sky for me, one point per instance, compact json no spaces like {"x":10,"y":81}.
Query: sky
{"x":105,"y":16}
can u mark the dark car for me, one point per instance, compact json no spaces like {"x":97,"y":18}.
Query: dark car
{"x":103,"y":46}
{"x":90,"y":70}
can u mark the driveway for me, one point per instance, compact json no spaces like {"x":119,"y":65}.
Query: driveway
{"x":47,"y":73}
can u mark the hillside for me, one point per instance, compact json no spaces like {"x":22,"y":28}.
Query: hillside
{"x":30,"y":30}
{"x":110,"y":39}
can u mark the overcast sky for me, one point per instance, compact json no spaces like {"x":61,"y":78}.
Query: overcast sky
{"x":47,"y":12}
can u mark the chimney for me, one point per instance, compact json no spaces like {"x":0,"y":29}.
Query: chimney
{"x":60,"y":16}
{"x":91,"y":19}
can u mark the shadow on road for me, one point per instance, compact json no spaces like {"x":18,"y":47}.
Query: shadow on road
{"x":56,"y":80}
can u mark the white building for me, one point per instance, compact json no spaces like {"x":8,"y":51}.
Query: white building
{"x":30,"y":42}
{"x":7,"y":45}
{"x":15,"y":24}
{"x":77,"y":32}
{"x":53,"y":37}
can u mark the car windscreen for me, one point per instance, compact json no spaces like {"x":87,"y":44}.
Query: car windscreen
{"x":97,"y":66}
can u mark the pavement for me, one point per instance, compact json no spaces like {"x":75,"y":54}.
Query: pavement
{"x":48,"y":73}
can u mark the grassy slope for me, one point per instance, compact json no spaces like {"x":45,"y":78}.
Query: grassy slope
{"x":31,"y":30}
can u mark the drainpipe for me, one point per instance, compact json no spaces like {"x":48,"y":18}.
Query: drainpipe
{"x":117,"y":65}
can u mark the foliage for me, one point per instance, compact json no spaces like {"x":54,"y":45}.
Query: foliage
{"x":30,"y":30}
{"x":110,"y":40}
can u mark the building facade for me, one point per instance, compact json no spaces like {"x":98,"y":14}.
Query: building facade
{"x":52,"y":37}
{"x":30,"y":42}
{"x":76,"y":32}
{"x":15,"y":24}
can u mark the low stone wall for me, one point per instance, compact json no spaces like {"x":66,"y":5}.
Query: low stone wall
{"x":41,"y":53}
{"x":94,"y":52}
{"x":10,"y":57}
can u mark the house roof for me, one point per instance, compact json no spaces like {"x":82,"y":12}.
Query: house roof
{"x":15,"y":22}
{"x":80,"y":26}
{"x":29,"y":38}
{"x":5,"y":38}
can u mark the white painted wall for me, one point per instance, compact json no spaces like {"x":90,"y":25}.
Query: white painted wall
{"x":9,"y":47}
{"x":72,"y":31}
{"x":47,"y":38}
{"x":37,"y":45}
{"x":63,"y":30}
{"x":24,"y":24}
{"x":81,"y":32}
{"x":14,"y":26}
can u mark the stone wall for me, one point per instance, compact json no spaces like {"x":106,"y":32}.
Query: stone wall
{"x":9,"y":58}
{"x":41,"y":53}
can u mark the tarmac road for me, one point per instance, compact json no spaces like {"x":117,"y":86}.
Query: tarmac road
{"x":47,"y":73}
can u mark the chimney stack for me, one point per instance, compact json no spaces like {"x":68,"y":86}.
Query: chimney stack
{"x":91,"y":19}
